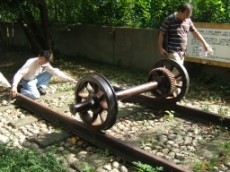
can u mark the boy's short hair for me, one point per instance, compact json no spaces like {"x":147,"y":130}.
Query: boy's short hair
{"x":46,"y":54}
{"x":184,"y":7}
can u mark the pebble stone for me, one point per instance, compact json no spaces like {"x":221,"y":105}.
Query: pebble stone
{"x":172,"y":155}
{"x":61,"y":149}
{"x":191,"y":148}
{"x":26,"y":144}
{"x":70,"y":158}
{"x":223,"y":167}
{"x":115,"y":164}
{"x":170,"y":142}
{"x":83,"y":153}
{"x":216,"y":169}
{"x":180,"y":156}
{"x":100,"y":169}
{"x":188,"y":141}
{"x":124,"y":169}
{"x":228,"y":164}
{"x":4,"y":102}
{"x":147,"y":148}
{"x":160,"y":154}
{"x":108,"y":167}
{"x":90,"y":149}
{"x":165,"y":151}
{"x":3,"y":139}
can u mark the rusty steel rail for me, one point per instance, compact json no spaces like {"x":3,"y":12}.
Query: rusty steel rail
{"x":184,"y":111}
{"x":100,"y":139}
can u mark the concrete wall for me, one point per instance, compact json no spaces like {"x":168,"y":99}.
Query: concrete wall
{"x":91,"y":42}
{"x":128,"y":47}
{"x":134,"y":48}
{"x":12,"y":35}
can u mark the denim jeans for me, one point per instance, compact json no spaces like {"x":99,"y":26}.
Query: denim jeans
{"x":30,"y":87}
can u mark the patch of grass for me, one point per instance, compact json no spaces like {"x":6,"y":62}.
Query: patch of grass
{"x":104,"y":153}
{"x":223,"y":111}
{"x":28,"y":160}
{"x":224,"y":149}
{"x":88,"y":168}
{"x":206,"y":166}
{"x":80,"y":67}
{"x":223,"y":156}
{"x":205,"y":108}
{"x":154,"y":142}
{"x":148,"y":142}
{"x":169,"y":115}
{"x":67,"y":87}
{"x":209,"y":89}
{"x":140,"y":167}
{"x":143,"y":144}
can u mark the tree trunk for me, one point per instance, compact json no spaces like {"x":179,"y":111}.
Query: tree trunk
{"x":38,"y":35}
{"x":34,"y":27}
{"x":36,"y":47}
{"x":47,"y":45}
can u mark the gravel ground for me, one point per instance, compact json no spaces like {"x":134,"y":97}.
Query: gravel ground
{"x":183,"y":142}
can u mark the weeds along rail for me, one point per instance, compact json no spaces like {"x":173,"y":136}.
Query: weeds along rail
{"x":99,"y":139}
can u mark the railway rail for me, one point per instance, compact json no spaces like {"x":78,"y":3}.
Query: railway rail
{"x":184,"y":111}
{"x":117,"y":146}
{"x":97,"y":138}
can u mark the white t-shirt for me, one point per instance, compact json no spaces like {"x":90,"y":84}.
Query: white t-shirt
{"x":31,"y":69}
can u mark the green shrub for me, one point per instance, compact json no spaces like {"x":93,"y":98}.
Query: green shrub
{"x":22,"y":160}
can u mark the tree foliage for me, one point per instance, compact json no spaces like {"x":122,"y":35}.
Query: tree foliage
{"x":133,"y":13}
{"x":35,"y":15}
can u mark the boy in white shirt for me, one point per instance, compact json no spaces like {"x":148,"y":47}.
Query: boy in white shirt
{"x":35,"y":75}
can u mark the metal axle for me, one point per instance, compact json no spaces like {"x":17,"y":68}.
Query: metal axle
{"x":88,"y":104}
{"x":136,"y":90}
{"x":79,"y":107}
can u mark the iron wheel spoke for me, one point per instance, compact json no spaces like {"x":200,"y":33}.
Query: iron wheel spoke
{"x":90,"y":88}
{"x":171,"y":68}
{"x":178,"y":76}
{"x":83,"y":95}
{"x":174,"y":94}
{"x":104,"y":104}
{"x":102,"y":116}
{"x":100,"y":94}
{"x":94,"y":118}
{"x":179,"y":86}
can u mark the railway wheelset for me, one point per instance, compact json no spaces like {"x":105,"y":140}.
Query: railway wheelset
{"x":96,"y":101}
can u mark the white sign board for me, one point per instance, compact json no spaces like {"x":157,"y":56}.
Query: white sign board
{"x":218,"y":39}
